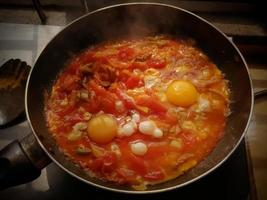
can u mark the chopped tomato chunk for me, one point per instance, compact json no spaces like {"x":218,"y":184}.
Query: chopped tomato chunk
{"x":105,"y":99}
{"x":73,"y":118}
{"x":156,"y":63}
{"x":137,"y":164}
{"x":126,"y":53}
{"x":155,"y":105}
{"x":139,"y":65}
{"x":134,"y":81}
{"x":66,"y":110}
{"x":69,"y":82}
{"x":127,"y":101}
{"x":104,"y":164}
{"x":155,"y":175}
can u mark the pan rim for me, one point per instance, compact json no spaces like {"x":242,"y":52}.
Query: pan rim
{"x":155,"y":190}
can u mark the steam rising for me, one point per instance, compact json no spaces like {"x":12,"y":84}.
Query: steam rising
{"x":135,"y":21}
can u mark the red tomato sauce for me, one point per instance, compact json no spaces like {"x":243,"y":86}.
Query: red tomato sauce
{"x":136,"y":93}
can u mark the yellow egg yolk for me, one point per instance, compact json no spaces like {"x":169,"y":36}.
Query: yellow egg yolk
{"x":181,"y":93}
{"x":102,"y":129}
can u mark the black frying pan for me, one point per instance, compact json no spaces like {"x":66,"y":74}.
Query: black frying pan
{"x":22,"y":161}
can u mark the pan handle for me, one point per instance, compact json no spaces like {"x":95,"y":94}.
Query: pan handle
{"x":260,"y":94}
{"x":21,"y":162}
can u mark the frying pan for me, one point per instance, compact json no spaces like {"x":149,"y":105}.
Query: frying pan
{"x":22,"y":161}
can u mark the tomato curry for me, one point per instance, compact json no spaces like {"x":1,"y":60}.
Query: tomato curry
{"x":138,"y":112}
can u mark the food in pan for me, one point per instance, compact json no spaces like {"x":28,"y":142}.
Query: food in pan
{"x":140,"y":111}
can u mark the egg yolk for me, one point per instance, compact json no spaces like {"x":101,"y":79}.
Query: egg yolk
{"x":181,"y":93}
{"x":102,"y":129}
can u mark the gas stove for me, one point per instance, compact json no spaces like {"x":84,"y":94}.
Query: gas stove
{"x":238,"y":178}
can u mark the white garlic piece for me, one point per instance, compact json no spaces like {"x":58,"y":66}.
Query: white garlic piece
{"x":119,"y":106}
{"x":157,"y":133}
{"x":127,"y":129}
{"x":139,"y":148}
{"x":147,"y":127}
{"x":136,"y":117}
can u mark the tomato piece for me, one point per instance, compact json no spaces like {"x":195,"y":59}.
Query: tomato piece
{"x":139,"y":65}
{"x":74,"y":66}
{"x":107,"y":104}
{"x":134,"y":81}
{"x":156,"y":63}
{"x":126,"y":53}
{"x":137,"y":164}
{"x":59,"y":95}
{"x":171,"y":119}
{"x":152,"y":103}
{"x":123,"y":75}
{"x":156,"y":151}
{"x":133,"y":162}
{"x":73,"y":118}
{"x":99,"y":90}
{"x":104,"y":164}
{"x":189,"y":140}
{"x":167,"y":118}
{"x":105,"y":99}
{"x":116,"y":63}
{"x":92,"y":106}
{"x":68,"y":82}
{"x":64,"y":128}
{"x":125,"y":173}
{"x":109,"y":163}
{"x":127,"y":101}
{"x":96,"y":165}
{"x":66,"y":110}
{"x":87,"y":57}
{"x":155,"y":175}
